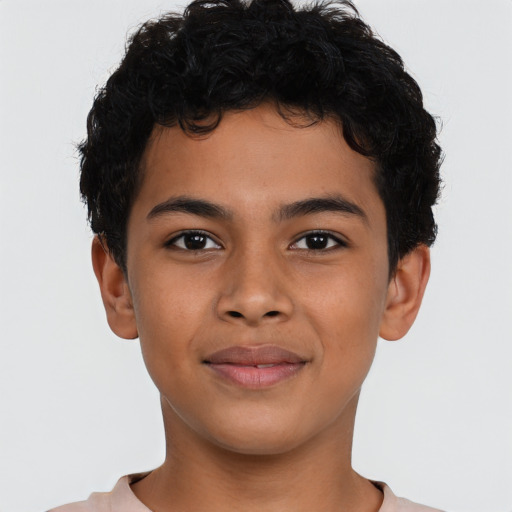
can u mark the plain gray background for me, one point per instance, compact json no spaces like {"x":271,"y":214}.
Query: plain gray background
{"x":77,"y":407}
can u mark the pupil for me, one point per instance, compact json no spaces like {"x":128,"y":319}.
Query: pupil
{"x":316,"y":241}
{"x":194,"y":242}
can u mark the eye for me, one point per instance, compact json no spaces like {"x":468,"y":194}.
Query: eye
{"x":317,"y":241}
{"x":193,"y":241}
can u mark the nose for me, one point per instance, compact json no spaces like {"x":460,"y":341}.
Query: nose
{"x":254,"y":290}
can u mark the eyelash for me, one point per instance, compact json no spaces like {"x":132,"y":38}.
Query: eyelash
{"x":339,"y":243}
{"x":319,"y":233}
{"x":172,"y":242}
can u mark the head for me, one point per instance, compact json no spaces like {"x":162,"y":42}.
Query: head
{"x":262,"y":181}
{"x":322,"y":62}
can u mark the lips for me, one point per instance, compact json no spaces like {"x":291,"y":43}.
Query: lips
{"x":255,"y":367}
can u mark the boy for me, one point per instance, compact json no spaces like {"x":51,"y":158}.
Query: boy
{"x":260,"y":179}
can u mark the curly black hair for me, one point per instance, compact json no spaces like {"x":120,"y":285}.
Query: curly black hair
{"x":224,"y":55}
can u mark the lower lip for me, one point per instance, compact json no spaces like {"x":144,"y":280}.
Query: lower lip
{"x":254,"y":377}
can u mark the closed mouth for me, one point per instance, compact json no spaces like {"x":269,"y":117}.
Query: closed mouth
{"x":258,"y":356}
{"x":257,"y":366}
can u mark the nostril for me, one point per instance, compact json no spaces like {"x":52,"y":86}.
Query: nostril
{"x":236,"y":314}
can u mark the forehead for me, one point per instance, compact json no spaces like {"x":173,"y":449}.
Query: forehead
{"x":256,"y":160}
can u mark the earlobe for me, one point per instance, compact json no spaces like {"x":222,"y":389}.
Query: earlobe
{"x":115,"y":292}
{"x":405,"y":293}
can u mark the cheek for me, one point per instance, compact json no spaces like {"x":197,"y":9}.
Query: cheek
{"x":347,"y":321}
{"x":169,"y":311}
{"x":347,"y":303}
{"x":167,"y":300}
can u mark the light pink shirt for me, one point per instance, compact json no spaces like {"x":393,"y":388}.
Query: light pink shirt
{"x":122,"y":499}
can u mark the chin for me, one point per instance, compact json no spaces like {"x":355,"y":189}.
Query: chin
{"x":265,"y":447}
{"x":257,"y":439}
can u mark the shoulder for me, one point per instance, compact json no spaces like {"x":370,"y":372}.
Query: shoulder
{"x":97,"y":502}
{"x":120,"y":499}
{"x":408,"y":506}
{"x":393,"y":503}
{"x":79,"y":506}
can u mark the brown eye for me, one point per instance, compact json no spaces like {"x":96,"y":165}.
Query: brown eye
{"x":317,"y":241}
{"x":193,"y":241}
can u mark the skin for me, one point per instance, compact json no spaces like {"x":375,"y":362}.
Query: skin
{"x":286,"y":446}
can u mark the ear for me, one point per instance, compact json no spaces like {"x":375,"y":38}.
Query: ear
{"x":405,"y":293}
{"x":115,"y":292}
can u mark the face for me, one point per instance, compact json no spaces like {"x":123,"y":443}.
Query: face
{"x":258,"y":275}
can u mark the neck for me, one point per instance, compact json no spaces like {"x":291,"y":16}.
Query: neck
{"x":316,"y":476}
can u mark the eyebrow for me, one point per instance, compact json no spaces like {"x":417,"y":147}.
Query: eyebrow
{"x":203,"y":208}
{"x":335,"y":203}
{"x":185,"y":204}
